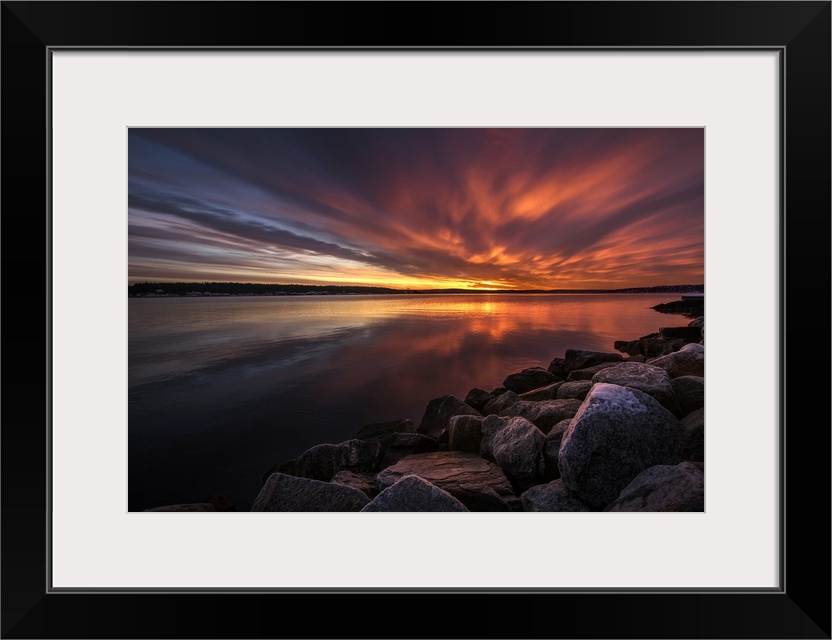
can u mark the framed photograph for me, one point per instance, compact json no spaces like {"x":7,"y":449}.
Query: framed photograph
{"x":111,"y":108}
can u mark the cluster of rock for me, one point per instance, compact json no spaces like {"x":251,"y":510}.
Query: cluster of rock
{"x":593,"y":431}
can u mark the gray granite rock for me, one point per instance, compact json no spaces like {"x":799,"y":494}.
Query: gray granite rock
{"x":478,"y":398}
{"x":323,"y":461}
{"x":413,"y":493}
{"x":583,"y":359}
{"x":588,"y":372}
{"x":617,"y":433}
{"x":501,"y":402}
{"x":529,"y":379}
{"x":438,"y":415}
{"x":383,"y":431}
{"x":690,"y":392}
{"x":688,"y":333}
{"x":654,"y":381}
{"x":364,"y":482}
{"x":477,"y":483}
{"x":693,"y":439}
{"x":678,"y":487}
{"x":518,"y":450}
{"x":465,"y":433}
{"x":551,"y":450}
{"x":291,"y":493}
{"x":576,"y":389}
{"x":545,"y":414}
{"x":549,"y":392}
{"x":489,"y":427}
{"x":688,"y":361}
{"x":557,"y":367}
{"x":552,"y":496}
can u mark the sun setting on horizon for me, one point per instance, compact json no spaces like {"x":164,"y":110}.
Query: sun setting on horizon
{"x":478,"y":209}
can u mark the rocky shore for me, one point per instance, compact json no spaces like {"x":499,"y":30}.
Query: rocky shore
{"x":592,"y":431}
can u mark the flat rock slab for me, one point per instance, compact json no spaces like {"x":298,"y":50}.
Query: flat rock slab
{"x":364,"y":482}
{"x":617,"y":433}
{"x":291,"y":493}
{"x":552,"y":496}
{"x":678,"y":487}
{"x":476,"y":482}
{"x":413,"y":493}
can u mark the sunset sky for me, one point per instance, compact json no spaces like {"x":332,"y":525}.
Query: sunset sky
{"x":419,"y":208}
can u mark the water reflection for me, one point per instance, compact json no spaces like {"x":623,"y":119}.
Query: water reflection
{"x":220,"y":389}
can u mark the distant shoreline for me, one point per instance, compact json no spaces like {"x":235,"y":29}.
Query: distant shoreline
{"x":226,"y":289}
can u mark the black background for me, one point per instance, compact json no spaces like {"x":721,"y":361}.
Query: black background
{"x":801,"y":609}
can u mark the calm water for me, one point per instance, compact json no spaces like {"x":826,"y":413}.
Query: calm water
{"x":221,"y":389}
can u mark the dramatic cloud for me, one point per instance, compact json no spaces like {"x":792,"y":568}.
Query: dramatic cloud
{"x":422,"y":208}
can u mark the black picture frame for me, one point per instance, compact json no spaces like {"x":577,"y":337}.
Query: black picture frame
{"x":799,"y":31}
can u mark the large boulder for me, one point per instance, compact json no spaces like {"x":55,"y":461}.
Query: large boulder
{"x":652,"y":380}
{"x":364,"y":482}
{"x":517,"y":447}
{"x":690,"y":392}
{"x":687,"y":361}
{"x":552,"y":496}
{"x":383,"y":431}
{"x":529,"y":379}
{"x":291,"y":493}
{"x":478,"y":398}
{"x":693,"y":440}
{"x":617,"y":433}
{"x":477,"y":483}
{"x":465,"y":433}
{"x":551,"y":450}
{"x":323,"y":461}
{"x":576,"y":389}
{"x":405,"y":444}
{"x":438,"y":414}
{"x":544,"y":415}
{"x":583,"y":359}
{"x":678,"y":487}
{"x":413,"y":493}
{"x":501,"y":402}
